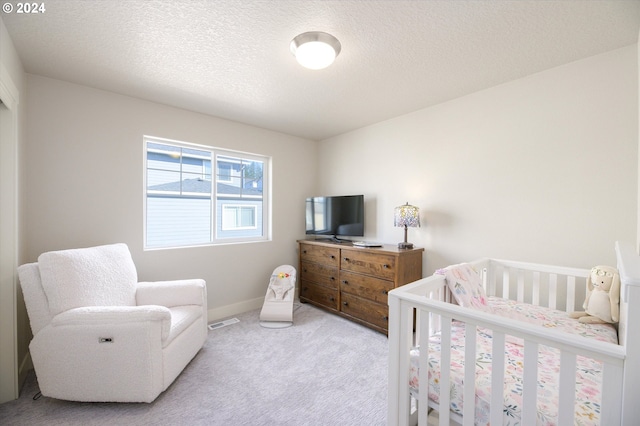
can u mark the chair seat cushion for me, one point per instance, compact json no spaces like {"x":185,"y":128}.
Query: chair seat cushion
{"x":95,"y":276}
{"x":181,"y":318}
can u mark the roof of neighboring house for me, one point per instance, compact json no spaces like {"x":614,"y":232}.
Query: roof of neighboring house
{"x":204,"y":186}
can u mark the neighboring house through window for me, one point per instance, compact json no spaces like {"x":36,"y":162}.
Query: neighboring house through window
{"x":199,"y":195}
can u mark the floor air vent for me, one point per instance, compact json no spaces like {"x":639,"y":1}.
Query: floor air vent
{"x":224,"y":323}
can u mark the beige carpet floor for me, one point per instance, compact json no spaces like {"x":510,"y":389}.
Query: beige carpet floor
{"x":324,"y":370}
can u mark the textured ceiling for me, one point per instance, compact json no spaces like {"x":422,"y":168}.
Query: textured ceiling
{"x":231,"y":59}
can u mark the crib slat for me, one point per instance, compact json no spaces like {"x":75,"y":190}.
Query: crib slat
{"x":553,"y":288}
{"x":530,"y":383}
{"x":535,"y":296}
{"x":505,"y":283}
{"x":520,"y":295}
{"x":571,"y":293}
{"x":497,"y":378}
{"x":400,"y":402}
{"x":445,"y":372}
{"x":567,"y":388}
{"x":423,"y":372}
{"x":469,"y":395}
{"x":435,"y":323}
{"x":417,"y":336}
{"x":490,"y":274}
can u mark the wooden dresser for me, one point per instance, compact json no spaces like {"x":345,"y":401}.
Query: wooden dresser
{"x":354,"y":281}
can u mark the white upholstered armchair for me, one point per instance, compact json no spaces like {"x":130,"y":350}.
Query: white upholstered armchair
{"x":99,"y":335}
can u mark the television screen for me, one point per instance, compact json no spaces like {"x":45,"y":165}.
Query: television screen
{"x":335,"y":216}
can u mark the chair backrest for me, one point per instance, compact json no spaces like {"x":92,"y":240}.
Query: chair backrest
{"x":34,"y":297}
{"x":94,"y":276}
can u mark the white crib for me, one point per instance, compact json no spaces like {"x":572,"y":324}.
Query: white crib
{"x":421,"y":309}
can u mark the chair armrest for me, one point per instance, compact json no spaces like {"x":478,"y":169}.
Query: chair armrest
{"x":172,"y":293}
{"x":115,"y":315}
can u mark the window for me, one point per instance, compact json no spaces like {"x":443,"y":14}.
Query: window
{"x":198,"y":195}
{"x":238,"y":217}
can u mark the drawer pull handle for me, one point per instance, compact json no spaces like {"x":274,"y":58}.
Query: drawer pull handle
{"x":345,"y":303}
{"x":385,"y":266}
{"x":346,"y":259}
{"x":304,"y":251}
{"x":333,"y":299}
{"x":345,"y":282}
{"x":332,"y":257}
{"x":385,"y":291}
{"x":385,"y":318}
{"x":332,"y":278}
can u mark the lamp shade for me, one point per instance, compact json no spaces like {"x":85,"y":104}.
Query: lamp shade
{"x":315,"y":50}
{"x":406,"y":215}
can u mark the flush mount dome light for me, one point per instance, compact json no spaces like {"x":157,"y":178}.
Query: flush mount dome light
{"x":315,"y":50}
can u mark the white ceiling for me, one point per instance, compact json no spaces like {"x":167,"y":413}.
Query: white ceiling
{"x":231,"y":58}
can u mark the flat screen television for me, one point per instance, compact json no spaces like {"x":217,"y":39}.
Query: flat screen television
{"x":337,"y":216}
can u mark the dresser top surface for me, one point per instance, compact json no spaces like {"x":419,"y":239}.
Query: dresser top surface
{"x":387,"y":248}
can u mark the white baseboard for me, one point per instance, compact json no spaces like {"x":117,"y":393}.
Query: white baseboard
{"x":234,"y":309}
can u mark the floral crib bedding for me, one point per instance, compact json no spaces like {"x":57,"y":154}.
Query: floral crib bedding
{"x":588,"y":378}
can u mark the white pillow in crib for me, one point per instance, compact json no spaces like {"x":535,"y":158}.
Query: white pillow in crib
{"x":466,"y":286}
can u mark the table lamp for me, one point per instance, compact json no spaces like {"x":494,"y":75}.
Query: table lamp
{"x":406,"y":216}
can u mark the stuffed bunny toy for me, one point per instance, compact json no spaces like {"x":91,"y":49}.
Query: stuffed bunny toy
{"x":602,"y":304}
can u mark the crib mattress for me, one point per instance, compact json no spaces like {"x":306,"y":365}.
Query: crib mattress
{"x":588,"y":379}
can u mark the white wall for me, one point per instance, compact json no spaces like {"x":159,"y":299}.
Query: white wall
{"x":84,"y":187}
{"x":542,"y":169}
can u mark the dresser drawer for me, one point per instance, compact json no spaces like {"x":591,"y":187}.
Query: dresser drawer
{"x":366,"y":310}
{"x":371,"y":288}
{"x":370,"y":263}
{"x":319,"y":294}
{"x":320,"y":274}
{"x":319,"y":254}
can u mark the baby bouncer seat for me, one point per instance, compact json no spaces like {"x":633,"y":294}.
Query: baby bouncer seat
{"x":277,"y":311}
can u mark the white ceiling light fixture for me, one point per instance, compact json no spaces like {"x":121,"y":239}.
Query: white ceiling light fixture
{"x":315,"y":50}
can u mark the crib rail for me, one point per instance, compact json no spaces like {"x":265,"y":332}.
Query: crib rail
{"x":543,"y":285}
{"x":414,"y":317}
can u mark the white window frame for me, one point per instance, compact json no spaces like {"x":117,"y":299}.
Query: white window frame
{"x":215,"y":239}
